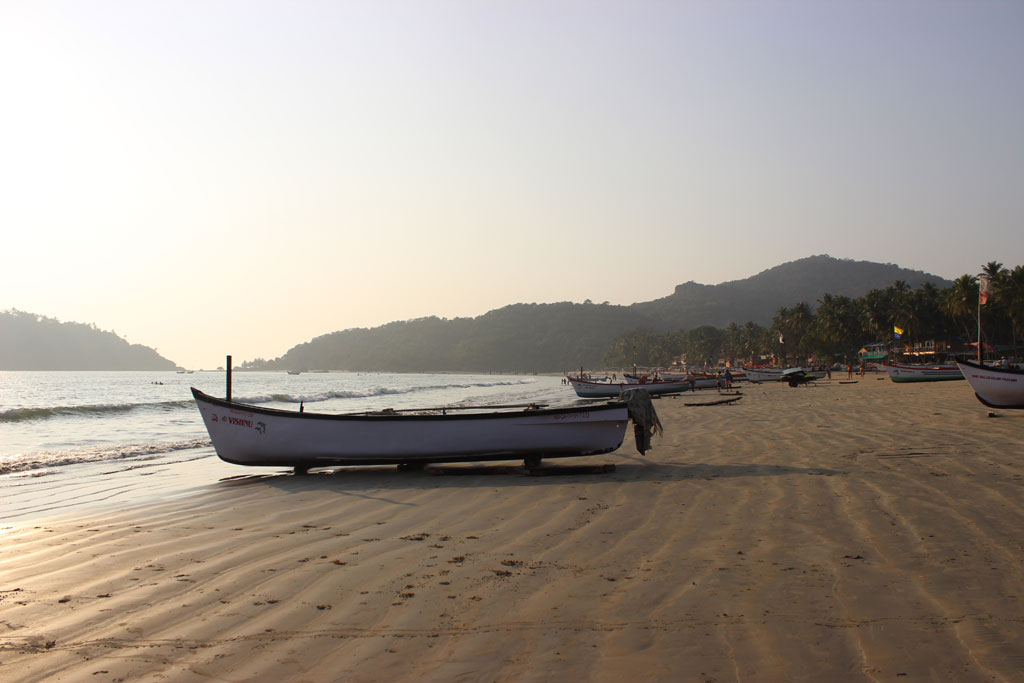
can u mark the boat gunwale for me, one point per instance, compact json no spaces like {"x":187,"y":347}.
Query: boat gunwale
{"x":936,"y":367}
{"x":406,"y":417}
{"x":988,"y":368}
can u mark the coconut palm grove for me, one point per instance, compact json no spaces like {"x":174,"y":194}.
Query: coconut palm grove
{"x":925,"y":322}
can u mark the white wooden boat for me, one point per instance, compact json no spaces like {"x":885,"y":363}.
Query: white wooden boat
{"x":763,"y":374}
{"x":252,"y":435}
{"x":995,"y":387}
{"x":587,"y":389}
{"x":693,"y":381}
{"x":901,"y":373}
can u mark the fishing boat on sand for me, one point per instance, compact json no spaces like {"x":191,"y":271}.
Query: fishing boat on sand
{"x":694,"y":381}
{"x":900,"y":373}
{"x":763,"y":374}
{"x":587,"y":389}
{"x":995,"y":387}
{"x":252,"y":435}
{"x":779,"y":374}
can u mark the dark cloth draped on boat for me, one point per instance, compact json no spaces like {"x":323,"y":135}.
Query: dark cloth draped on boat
{"x":645,"y":419}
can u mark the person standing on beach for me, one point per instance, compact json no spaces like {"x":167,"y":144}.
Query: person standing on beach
{"x":849,"y":370}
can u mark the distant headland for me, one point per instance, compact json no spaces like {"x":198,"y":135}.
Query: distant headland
{"x":34,"y":342}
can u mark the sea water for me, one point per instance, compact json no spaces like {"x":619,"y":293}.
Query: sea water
{"x":52,"y":421}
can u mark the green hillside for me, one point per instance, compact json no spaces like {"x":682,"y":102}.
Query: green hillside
{"x":560,"y":336}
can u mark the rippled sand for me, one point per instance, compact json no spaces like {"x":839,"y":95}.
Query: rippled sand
{"x":866,"y":531}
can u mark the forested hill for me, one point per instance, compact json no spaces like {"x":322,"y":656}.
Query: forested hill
{"x":560,"y":336}
{"x":521,"y":337}
{"x":756,"y":298}
{"x":32,"y":342}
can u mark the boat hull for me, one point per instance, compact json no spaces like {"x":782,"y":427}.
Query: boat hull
{"x":691,"y":381}
{"x":778,"y":374}
{"x":995,"y":387}
{"x":251,"y":435}
{"x":911,"y":373}
{"x":586,"y":389}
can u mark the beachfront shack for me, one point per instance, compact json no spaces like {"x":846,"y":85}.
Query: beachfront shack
{"x":873,"y":353}
{"x":928,"y":351}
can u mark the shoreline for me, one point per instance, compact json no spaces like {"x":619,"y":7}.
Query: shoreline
{"x":832,"y":532}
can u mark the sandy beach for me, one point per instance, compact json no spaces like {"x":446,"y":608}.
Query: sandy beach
{"x":844,"y":531}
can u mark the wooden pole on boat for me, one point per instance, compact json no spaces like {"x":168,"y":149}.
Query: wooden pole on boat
{"x":228,"y":375}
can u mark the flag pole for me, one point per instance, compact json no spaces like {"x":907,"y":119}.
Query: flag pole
{"x":979,"y":323}
{"x":982,"y":285}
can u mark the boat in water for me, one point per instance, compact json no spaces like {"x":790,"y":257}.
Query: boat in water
{"x":994,"y":386}
{"x":900,"y":373}
{"x":244,"y":434}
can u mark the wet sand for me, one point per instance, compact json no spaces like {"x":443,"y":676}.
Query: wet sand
{"x":866,"y":531}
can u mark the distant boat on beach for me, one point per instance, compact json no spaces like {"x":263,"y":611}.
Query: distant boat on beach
{"x":778,"y":374}
{"x":693,"y":381}
{"x":589,"y":389}
{"x":995,"y":387}
{"x":901,"y":373}
{"x":251,"y":435}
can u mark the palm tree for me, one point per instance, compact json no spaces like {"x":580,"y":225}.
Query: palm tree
{"x":753,"y":341}
{"x":780,"y":333}
{"x":1010,"y":292}
{"x":995,"y":315}
{"x":793,"y":325}
{"x":837,"y":329}
{"x":959,"y":301}
{"x":926,"y":302}
{"x":884,"y":308}
{"x":703,"y":343}
{"x":993,"y":269}
{"x":801,"y":318}
{"x":732,"y":344}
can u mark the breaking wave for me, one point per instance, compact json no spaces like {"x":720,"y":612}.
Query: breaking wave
{"x":367,"y":393}
{"x":15,"y":415}
{"x":26,"y":414}
{"x":37,"y":462}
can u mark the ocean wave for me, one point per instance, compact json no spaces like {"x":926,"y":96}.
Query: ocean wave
{"x":366,"y":393}
{"x":32,"y":464}
{"x":15,"y":415}
{"x":26,"y":414}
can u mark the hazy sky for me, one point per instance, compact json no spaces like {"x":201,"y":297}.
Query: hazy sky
{"x":218,"y":177}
